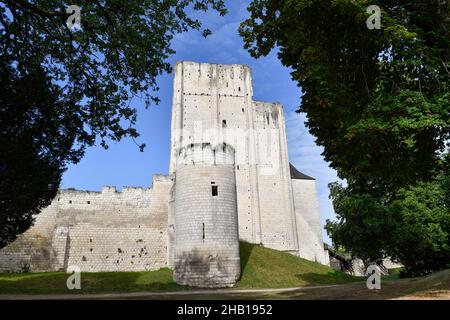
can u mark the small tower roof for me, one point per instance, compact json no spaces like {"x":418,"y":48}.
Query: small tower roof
{"x":295,"y":174}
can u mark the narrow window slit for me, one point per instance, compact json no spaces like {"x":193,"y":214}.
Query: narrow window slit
{"x":215,"y":191}
{"x":203,"y":229}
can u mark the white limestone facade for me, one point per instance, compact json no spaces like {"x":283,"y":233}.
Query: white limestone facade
{"x":206,"y":247}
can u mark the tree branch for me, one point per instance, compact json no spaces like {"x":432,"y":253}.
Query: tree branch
{"x":25,"y":5}
{"x":443,"y":63}
{"x":365,"y":81}
{"x":7,"y":34}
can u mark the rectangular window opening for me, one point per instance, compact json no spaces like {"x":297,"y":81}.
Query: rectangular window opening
{"x":203,"y":227}
{"x":215,"y":191}
{"x":224,"y":123}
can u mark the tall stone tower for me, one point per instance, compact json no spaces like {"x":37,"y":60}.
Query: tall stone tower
{"x":233,"y":179}
{"x":205,"y":213}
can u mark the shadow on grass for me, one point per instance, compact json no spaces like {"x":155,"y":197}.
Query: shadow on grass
{"x":330,"y":278}
{"x":390,"y":289}
{"x":102,"y":282}
{"x":245,"y":251}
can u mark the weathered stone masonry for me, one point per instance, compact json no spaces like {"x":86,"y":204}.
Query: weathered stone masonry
{"x":97,"y":231}
{"x":206,"y":219}
{"x":229,"y":179}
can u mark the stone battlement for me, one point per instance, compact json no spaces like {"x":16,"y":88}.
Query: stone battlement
{"x":105,"y":189}
{"x":206,"y":154}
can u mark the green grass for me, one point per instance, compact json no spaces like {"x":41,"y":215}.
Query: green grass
{"x":261,"y":268}
{"x":267,"y":268}
{"x":393,"y":274}
{"x":99,"y":282}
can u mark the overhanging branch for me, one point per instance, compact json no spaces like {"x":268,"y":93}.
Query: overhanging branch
{"x":25,"y":5}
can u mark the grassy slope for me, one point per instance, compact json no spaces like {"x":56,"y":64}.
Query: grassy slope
{"x":267,"y":268}
{"x":262,"y":268}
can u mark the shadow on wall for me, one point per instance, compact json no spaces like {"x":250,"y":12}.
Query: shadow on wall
{"x":200,"y":269}
{"x":245,"y":251}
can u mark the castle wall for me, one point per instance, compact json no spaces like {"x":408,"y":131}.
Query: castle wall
{"x":96,"y":231}
{"x":210,"y":101}
{"x":308,"y":221}
{"x":278,"y":227}
{"x":206,"y":222}
{"x":32,"y":250}
{"x":213,"y":103}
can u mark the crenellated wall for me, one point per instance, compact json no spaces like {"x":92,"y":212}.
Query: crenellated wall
{"x":96,"y":231}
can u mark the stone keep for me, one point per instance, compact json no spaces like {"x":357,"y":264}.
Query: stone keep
{"x":229,"y":178}
{"x":206,"y":220}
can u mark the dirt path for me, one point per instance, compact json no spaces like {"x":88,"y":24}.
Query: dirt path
{"x":436,"y":286}
{"x":431,"y":295}
{"x":156,"y":295}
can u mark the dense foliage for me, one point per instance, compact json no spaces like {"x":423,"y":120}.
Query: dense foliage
{"x":378,"y":101}
{"x":37,"y":134}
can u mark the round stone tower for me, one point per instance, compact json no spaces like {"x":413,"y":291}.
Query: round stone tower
{"x":206,"y":252}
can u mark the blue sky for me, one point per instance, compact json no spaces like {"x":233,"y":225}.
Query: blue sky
{"x":123,"y":165}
